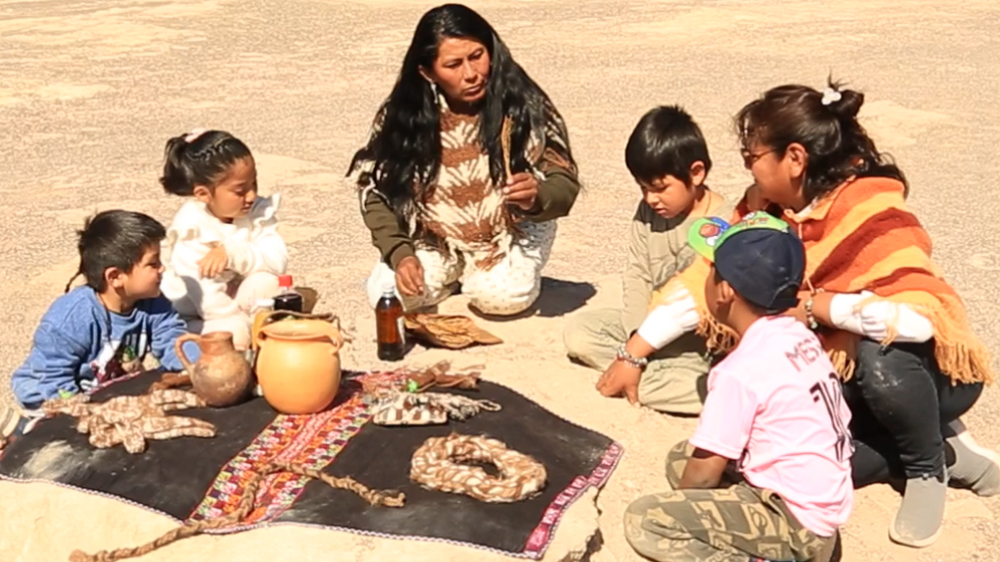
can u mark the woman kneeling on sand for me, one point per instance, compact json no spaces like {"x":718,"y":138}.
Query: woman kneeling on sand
{"x":467,"y":168}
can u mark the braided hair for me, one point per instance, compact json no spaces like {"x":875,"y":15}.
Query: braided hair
{"x":199,"y":158}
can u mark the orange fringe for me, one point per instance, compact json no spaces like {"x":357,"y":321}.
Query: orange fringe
{"x":719,"y":338}
{"x":959,"y":354}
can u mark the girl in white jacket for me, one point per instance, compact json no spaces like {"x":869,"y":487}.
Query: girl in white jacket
{"x":222,"y":251}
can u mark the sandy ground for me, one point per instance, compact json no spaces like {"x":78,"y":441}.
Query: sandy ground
{"x":91,"y":89}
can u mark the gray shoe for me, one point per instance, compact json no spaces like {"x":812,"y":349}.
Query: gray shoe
{"x":918,"y":521}
{"x":976,"y":467}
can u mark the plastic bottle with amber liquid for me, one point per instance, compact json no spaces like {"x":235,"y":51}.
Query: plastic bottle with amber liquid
{"x":389,"y":327}
{"x":287,"y":297}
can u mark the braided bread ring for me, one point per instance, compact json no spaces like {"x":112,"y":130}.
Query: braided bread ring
{"x":435,"y":466}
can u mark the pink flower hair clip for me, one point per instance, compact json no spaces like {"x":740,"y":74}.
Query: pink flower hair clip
{"x":193,"y":135}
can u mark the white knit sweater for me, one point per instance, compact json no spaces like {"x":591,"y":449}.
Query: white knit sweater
{"x":253,"y":245}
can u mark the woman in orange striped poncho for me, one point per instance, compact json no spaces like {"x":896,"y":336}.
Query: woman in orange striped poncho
{"x":896,"y":331}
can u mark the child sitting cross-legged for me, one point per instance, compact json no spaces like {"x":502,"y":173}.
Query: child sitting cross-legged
{"x":223,"y":250}
{"x":668,"y":159}
{"x":774,"y":413}
{"x":103,"y":329}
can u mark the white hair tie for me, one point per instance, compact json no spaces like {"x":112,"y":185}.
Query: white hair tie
{"x":193,"y":135}
{"x":830,"y":96}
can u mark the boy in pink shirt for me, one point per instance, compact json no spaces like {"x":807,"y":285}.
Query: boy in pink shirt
{"x":774,"y":412}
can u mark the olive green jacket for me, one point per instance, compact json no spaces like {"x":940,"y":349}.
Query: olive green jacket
{"x":658,"y":249}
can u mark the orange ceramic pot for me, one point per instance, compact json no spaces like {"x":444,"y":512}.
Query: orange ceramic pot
{"x":298,"y":364}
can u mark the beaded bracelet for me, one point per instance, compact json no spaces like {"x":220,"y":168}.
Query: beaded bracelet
{"x":810,"y":319}
{"x":637,"y":362}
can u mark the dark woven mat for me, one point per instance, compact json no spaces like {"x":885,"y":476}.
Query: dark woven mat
{"x":175,"y":476}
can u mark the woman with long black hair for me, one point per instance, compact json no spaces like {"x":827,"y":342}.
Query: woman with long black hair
{"x":467,"y":167}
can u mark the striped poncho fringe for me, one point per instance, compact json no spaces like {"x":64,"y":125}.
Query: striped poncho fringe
{"x":861,"y":237}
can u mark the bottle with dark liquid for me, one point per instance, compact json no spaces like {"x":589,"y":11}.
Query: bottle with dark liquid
{"x":389,"y":327}
{"x":287,"y":298}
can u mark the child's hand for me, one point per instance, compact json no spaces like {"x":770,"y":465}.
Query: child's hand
{"x":621,"y":378}
{"x":521,"y":190}
{"x":214,"y":262}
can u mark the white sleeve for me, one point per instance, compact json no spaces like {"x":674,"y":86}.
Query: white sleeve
{"x":207,"y":295}
{"x":265,"y":250}
{"x":873,"y":320}
{"x":667,"y":322}
{"x":190,"y":237}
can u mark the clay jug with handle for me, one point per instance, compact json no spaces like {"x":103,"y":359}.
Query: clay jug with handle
{"x":222,"y":376}
{"x":298,"y":363}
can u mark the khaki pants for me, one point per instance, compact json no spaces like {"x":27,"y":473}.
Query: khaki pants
{"x":719,"y":525}
{"x":676,"y":377}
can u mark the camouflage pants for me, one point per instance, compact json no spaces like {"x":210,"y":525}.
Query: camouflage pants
{"x":721,"y":525}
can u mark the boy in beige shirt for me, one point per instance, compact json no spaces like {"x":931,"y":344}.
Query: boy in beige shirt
{"x":668,"y":158}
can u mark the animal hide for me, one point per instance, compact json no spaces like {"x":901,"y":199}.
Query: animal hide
{"x":448,"y":331}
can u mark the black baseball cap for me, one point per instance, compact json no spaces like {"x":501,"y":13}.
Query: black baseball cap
{"x":759,"y":256}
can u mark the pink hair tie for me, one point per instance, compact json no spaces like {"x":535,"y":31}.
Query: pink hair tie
{"x":193,"y":135}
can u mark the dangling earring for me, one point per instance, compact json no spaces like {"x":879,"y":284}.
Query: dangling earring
{"x":436,"y":92}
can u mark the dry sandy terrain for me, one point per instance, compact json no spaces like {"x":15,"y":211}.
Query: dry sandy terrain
{"x":91,"y":89}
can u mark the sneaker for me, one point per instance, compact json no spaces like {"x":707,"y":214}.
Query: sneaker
{"x":918,"y":521}
{"x":975,"y":467}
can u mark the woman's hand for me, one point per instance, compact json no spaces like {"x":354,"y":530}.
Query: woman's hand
{"x":410,"y":276}
{"x":214,"y":262}
{"x":521,"y":190}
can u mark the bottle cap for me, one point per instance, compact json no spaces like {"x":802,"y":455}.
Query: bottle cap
{"x":389,"y":287}
{"x":285,"y":281}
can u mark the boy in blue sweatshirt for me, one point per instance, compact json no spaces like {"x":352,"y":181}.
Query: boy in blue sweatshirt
{"x":101,"y":330}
